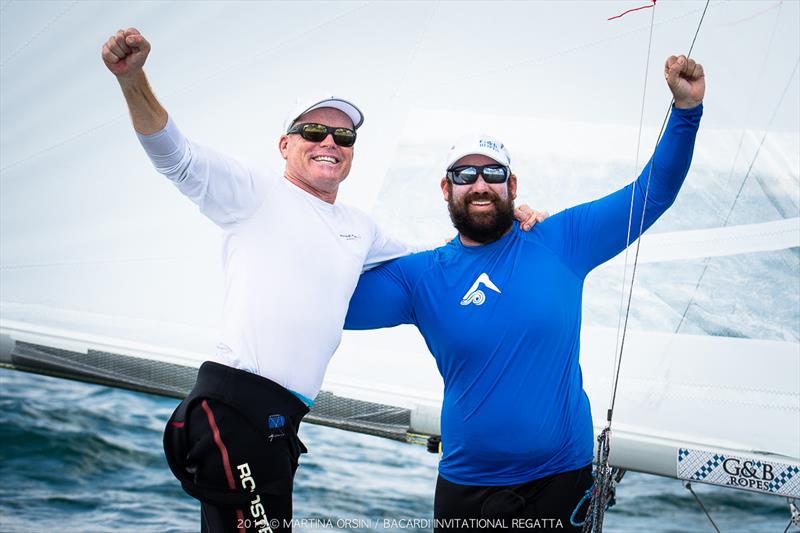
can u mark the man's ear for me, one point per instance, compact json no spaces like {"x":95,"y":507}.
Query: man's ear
{"x":283,"y":146}
{"x":512,"y":186}
{"x":445,"y":189}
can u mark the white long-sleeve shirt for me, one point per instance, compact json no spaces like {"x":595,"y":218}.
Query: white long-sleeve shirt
{"x":291,"y":260}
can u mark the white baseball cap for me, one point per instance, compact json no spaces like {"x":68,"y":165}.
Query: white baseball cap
{"x":344,"y":106}
{"x":480,"y":144}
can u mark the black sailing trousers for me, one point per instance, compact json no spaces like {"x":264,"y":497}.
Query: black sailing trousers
{"x":544,"y":504}
{"x":233,"y":445}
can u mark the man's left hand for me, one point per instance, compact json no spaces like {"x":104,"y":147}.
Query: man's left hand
{"x":686,"y":80}
{"x":528,"y":217}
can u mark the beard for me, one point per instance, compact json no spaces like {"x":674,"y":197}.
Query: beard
{"x":484,"y":227}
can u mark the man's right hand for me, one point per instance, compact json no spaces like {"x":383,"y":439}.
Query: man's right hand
{"x":125,"y":53}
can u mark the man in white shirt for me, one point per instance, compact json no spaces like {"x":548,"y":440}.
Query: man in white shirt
{"x":292,"y":258}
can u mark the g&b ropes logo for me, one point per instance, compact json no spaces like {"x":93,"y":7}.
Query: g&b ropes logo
{"x":769,"y":477}
{"x":748,"y":474}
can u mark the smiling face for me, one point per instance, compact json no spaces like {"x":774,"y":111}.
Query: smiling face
{"x":318,"y":168}
{"x":481,"y":212}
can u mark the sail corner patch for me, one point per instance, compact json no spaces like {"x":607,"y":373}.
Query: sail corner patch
{"x":748,"y":473}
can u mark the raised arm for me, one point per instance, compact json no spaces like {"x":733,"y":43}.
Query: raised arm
{"x":125,"y":54}
{"x":593,"y":233}
{"x":225,"y":190}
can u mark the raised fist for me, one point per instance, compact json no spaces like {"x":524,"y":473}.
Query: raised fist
{"x":125,"y":52}
{"x":686,"y":80}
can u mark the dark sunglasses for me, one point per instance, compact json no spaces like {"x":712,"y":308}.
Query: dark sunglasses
{"x":468,"y":174}
{"x":316,"y":133}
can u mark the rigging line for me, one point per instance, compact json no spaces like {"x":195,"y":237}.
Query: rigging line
{"x":633,"y":189}
{"x":689,"y":487}
{"x":706,"y":262}
{"x":641,"y":230}
{"x":603,"y":474}
{"x":603,"y":481}
{"x":36,"y":34}
{"x":185,"y":88}
{"x":794,"y":514}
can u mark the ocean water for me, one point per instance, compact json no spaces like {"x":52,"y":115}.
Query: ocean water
{"x":78,"y":457}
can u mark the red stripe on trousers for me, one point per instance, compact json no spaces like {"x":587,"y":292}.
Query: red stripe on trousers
{"x":226,"y":462}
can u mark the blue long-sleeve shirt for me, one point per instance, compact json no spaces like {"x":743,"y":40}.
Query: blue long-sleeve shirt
{"x":503,"y":322}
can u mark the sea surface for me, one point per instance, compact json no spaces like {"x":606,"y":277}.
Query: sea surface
{"x":78,"y":457}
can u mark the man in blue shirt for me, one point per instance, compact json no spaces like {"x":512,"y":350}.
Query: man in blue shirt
{"x":516,"y":425}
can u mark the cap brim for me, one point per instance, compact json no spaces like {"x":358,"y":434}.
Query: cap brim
{"x":349,"y":109}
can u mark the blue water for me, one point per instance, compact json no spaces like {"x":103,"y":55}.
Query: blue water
{"x":86,"y":458}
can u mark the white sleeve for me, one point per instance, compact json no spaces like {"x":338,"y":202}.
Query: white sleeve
{"x":385,"y":248}
{"x":224,"y":189}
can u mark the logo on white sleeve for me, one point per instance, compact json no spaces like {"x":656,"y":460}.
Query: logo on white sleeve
{"x":476,"y":296}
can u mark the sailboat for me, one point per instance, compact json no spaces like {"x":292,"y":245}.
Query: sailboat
{"x":108,"y":275}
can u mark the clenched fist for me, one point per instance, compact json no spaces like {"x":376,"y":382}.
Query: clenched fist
{"x":125,"y":52}
{"x":686,"y":81}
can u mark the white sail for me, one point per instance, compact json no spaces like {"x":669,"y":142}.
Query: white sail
{"x":103,"y":264}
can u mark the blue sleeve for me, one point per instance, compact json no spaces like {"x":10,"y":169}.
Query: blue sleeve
{"x":592,"y":233}
{"x":383,"y":296}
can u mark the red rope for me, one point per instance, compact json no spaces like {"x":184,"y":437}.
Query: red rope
{"x":634,"y":9}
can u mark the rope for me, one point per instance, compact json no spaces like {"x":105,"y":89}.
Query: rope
{"x":795,"y":514}
{"x":597,"y":506}
{"x":703,"y":507}
{"x":573,"y":518}
{"x":604,"y":482}
{"x":617,"y":352}
{"x":641,"y":230}
{"x":632,"y":10}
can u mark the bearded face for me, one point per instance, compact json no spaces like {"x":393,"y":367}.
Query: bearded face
{"x":483,"y":216}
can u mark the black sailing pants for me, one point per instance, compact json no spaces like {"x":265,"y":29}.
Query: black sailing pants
{"x":233,"y":445}
{"x":544,"y":504}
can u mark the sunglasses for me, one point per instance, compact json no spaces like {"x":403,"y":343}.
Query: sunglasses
{"x":468,"y":174}
{"x":317,"y":133}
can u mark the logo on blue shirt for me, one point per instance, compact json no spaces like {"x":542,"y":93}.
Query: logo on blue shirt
{"x":476,"y":296}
